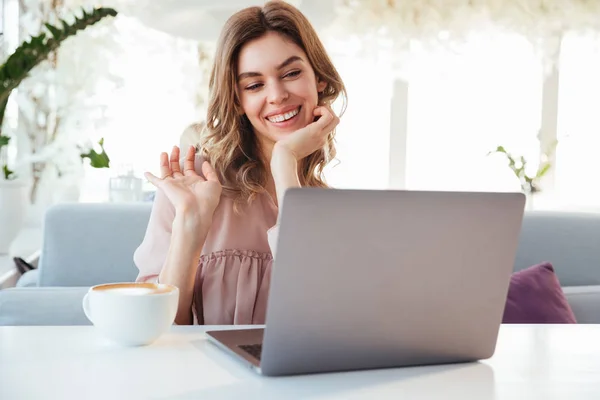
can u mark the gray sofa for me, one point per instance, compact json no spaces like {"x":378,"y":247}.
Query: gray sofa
{"x":88,"y":244}
{"x":83,"y":245}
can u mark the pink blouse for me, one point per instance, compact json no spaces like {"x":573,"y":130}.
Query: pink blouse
{"x":234,"y":269}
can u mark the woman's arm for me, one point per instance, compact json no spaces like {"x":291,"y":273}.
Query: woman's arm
{"x":192,"y":199}
{"x":181,"y":265}
{"x":288,"y":151}
{"x":284,"y":168}
{"x":294,"y":147}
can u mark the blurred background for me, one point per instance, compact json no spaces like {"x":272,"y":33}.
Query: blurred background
{"x":435,"y":88}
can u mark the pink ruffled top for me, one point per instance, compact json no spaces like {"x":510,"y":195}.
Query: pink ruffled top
{"x":234,"y":269}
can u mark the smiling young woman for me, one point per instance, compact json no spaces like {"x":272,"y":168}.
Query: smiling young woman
{"x":270,"y":127}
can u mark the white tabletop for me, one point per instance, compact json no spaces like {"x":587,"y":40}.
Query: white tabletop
{"x":531,"y":362}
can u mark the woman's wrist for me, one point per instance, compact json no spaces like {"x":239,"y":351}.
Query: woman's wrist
{"x":281,"y":155}
{"x":284,"y":169}
{"x":192,"y":226}
{"x":284,"y":166}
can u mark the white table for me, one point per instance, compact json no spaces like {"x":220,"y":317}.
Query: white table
{"x":531,"y":362}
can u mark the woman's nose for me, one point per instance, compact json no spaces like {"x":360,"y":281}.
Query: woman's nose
{"x":277,"y":93}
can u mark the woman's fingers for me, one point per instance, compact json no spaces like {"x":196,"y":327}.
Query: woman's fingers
{"x":327,"y":121}
{"x":165,"y":169}
{"x":209,"y":172}
{"x":153,"y":179}
{"x":334,"y":116}
{"x":326,"y":117}
{"x":331,"y":126}
{"x":175,"y":162}
{"x":188,"y":163}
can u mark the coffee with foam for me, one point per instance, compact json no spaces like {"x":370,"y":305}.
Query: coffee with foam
{"x":135,"y":288}
{"x":132,"y":314}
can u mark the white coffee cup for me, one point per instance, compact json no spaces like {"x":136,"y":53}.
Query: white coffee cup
{"x":132,"y":314}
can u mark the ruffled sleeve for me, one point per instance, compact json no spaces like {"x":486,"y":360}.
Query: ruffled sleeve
{"x":150,"y":256}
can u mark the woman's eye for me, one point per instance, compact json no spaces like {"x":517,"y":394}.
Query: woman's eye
{"x":254,"y":86}
{"x":292,"y":74}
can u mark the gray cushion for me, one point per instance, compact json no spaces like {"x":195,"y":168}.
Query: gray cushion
{"x":29,"y":279}
{"x":89,"y":244}
{"x":42,"y":306}
{"x":585,"y":303}
{"x":569,"y":241}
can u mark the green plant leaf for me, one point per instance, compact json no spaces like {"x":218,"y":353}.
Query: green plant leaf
{"x":543,"y":170}
{"x":35,"y":50}
{"x":4,"y":140}
{"x":499,"y":149}
{"x":97,"y":160}
{"x":518,"y":165}
{"x":57,"y":33}
{"x":8,"y":174}
{"x":66,"y":27}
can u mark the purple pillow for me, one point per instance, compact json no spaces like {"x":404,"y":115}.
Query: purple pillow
{"x":536,"y":297}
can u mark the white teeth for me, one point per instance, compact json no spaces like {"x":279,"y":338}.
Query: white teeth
{"x":284,"y":117}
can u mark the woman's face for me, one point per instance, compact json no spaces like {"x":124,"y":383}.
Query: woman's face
{"x":277,"y":87}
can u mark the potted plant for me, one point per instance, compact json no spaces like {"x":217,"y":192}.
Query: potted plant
{"x":18,"y":65}
{"x":529,"y":179}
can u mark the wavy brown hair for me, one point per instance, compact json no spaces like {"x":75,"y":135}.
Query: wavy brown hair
{"x":228,"y":140}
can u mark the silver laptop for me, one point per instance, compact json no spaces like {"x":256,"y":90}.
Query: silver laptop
{"x":378,"y":278}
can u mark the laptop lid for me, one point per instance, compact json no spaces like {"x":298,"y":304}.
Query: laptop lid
{"x":374,"y":278}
